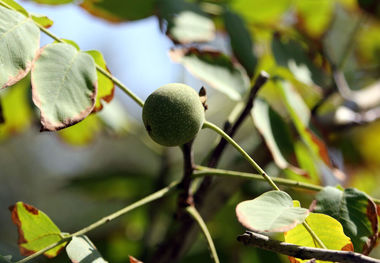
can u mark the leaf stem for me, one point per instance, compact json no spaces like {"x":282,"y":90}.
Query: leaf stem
{"x":197,"y":217}
{"x":313,"y":235}
{"x":150,"y":198}
{"x":100,"y":69}
{"x":215,"y":128}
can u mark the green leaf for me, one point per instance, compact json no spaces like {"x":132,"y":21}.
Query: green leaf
{"x":16,"y":6}
{"x":240,"y":41}
{"x":106,"y":87}
{"x":36,"y":230}
{"x":314,"y":17}
{"x":187,"y":27}
{"x":119,"y":11}
{"x":272,"y":211}
{"x":300,"y":115}
{"x":83,"y":132}
{"x":42,"y":20}
{"x":216,"y":69}
{"x":292,"y":55}
{"x":64,"y":85}
{"x":328,"y":230}
{"x":275,"y":132}
{"x":355,"y":211}
{"x":261,"y":11}
{"x":19,"y":43}
{"x":81,"y":249}
{"x":17,"y":109}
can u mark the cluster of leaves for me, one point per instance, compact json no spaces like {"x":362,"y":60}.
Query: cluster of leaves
{"x":299,"y":43}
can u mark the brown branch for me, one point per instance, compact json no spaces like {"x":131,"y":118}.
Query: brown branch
{"x":185,"y":197}
{"x":264,"y":242}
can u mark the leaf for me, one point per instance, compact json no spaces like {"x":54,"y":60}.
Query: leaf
{"x":106,"y":87}
{"x":300,"y":115}
{"x":261,"y":11}
{"x":328,"y":230}
{"x":240,"y":41}
{"x":42,"y":20}
{"x":119,"y":11}
{"x":272,"y":211}
{"x":214,"y":68}
{"x":16,"y":6}
{"x":275,"y":131}
{"x":36,"y":230}
{"x":134,"y":260}
{"x":17,"y":109}
{"x":81,"y":249}
{"x":355,"y":211}
{"x":83,"y":132}
{"x":64,"y":85}
{"x":19,"y":43}
{"x":314,"y":17}
{"x":292,"y":55}
{"x":188,"y":27}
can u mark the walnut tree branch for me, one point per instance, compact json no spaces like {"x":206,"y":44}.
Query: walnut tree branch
{"x":264,"y":242}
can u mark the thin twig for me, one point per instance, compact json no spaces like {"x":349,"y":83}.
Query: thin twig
{"x":264,"y":242}
{"x":150,"y":198}
{"x":197,"y":217}
{"x":185,"y":197}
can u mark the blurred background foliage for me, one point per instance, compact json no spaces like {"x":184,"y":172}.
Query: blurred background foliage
{"x":320,"y":126}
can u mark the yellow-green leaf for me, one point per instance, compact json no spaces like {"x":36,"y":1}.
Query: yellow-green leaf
{"x":328,"y":230}
{"x":106,"y":87}
{"x":36,"y":230}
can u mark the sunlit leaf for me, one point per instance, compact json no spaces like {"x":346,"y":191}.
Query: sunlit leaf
{"x":119,"y":11}
{"x":216,"y":69}
{"x":42,"y":20}
{"x":355,"y":211}
{"x":36,"y":230}
{"x":17,"y":110}
{"x":314,"y":17}
{"x":241,"y":41}
{"x":292,"y":54}
{"x":20,"y":40}
{"x":64,"y":85}
{"x":261,"y":11}
{"x":188,"y":27}
{"x":272,"y":211}
{"x":81,"y":249}
{"x":275,"y":132}
{"x":328,"y":230}
{"x":106,"y":87}
{"x":83,"y":132}
{"x":16,"y":6}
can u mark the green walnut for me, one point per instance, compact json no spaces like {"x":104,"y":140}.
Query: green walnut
{"x":173,"y":114}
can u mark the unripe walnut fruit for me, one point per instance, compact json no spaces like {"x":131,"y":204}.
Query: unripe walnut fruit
{"x":173,"y":114}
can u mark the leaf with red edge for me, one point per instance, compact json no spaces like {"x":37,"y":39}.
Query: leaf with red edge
{"x":106,"y":87}
{"x":36,"y":230}
{"x":64,"y":85}
{"x":20,"y":41}
{"x":356,"y":212}
{"x":272,"y":211}
{"x":134,"y":260}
